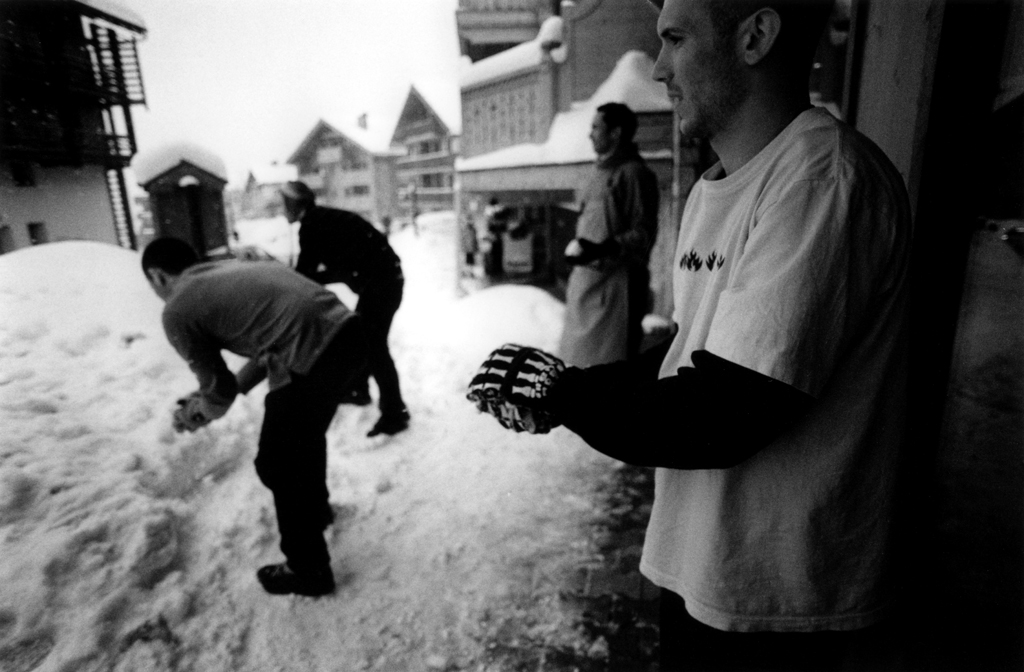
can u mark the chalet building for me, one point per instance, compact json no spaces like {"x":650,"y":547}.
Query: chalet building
{"x":426,"y":167}
{"x":351,"y":167}
{"x":261,"y":195}
{"x":69,"y":73}
{"x":526,"y":114}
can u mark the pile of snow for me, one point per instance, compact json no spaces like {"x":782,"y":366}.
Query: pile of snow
{"x":128,"y":547}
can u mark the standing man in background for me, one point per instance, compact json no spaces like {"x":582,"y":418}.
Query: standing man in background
{"x":309,"y":345}
{"x":340,"y":246}
{"x":776,"y":416}
{"x":607,"y":295}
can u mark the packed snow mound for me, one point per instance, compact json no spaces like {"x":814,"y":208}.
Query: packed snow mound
{"x":503,"y":314}
{"x":127,"y":547}
{"x":152,"y":164}
{"x":72,"y":289}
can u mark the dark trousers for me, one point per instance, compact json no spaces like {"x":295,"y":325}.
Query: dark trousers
{"x":292,"y":457}
{"x":689,"y":645}
{"x":378,"y":303}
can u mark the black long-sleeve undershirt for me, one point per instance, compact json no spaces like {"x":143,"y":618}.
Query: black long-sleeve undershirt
{"x":713,"y":415}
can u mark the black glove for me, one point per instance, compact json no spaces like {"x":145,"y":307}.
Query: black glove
{"x":590,"y":251}
{"x":512,"y":385}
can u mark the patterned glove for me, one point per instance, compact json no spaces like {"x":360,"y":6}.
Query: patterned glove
{"x":512,"y":384}
{"x":193,"y":412}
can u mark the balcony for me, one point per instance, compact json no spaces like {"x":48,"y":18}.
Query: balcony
{"x":487,"y":27}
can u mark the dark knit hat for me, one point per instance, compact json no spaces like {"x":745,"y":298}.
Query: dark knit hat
{"x":298,"y":191}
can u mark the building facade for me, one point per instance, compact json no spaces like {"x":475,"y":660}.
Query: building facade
{"x":426,"y":167}
{"x":261,"y":196}
{"x":354,"y":169}
{"x":69,"y":72}
{"x":526,"y":114}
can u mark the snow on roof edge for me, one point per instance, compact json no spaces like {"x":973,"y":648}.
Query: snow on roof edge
{"x":568,"y":138}
{"x":151,"y":164}
{"x":504,"y":64}
{"x":117,"y":11}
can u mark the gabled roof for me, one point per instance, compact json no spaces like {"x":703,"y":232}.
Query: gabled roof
{"x":568,"y":139}
{"x":415,"y":107}
{"x":152,"y":164}
{"x":115,"y":13}
{"x":275,"y":173}
{"x":371,"y":139}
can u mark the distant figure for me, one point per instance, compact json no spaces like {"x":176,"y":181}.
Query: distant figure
{"x":385,"y":223}
{"x":497,"y":217}
{"x":606,"y":298}
{"x":310,"y":346}
{"x":470,"y":244}
{"x":340,"y":246}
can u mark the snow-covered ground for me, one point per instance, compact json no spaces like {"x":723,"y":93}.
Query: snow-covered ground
{"x":125,"y":546}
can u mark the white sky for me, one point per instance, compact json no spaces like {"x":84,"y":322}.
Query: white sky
{"x":247,"y":79}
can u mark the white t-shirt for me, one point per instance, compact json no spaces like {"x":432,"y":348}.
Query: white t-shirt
{"x":794,"y":266}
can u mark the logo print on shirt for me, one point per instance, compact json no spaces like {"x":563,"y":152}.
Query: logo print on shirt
{"x":694,"y":262}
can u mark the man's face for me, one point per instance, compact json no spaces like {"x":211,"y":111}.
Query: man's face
{"x":602,"y":138}
{"x":702,"y":71}
{"x":293,"y":209}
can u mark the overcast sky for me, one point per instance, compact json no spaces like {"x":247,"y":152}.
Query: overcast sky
{"x":247,"y":79}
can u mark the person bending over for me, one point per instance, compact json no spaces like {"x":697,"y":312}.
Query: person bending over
{"x":294,"y":333}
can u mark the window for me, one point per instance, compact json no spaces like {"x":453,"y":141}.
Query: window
{"x":37,"y":233}
{"x":432,"y":180}
{"x":357,"y":190}
{"x":6,"y":240}
{"x":22,"y":174}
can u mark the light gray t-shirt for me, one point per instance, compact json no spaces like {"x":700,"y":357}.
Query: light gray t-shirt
{"x":262,"y":310}
{"x":794,"y":266}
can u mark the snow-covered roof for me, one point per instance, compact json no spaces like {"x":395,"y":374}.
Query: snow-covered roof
{"x":374,"y":138}
{"x":118,"y":12}
{"x":442,"y":95}
{"x":569,"y":137}
{"x":503,"y":64}
{"x":152,"y":164}
{"x":275,"y":173}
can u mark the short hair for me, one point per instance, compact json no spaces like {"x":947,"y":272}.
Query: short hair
{"x":298,"y":191}
{"x":617,"y":115}
{"x":802,"y":22}
{"x":168,"y":254}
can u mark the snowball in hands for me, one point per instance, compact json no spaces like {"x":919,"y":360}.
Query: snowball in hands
{"x":573,"y":249}
{"x":512,"y":385}
{"x":194,"y":412}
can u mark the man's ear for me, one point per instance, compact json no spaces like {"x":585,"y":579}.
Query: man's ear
{"x":157,"y":277}
{"x":758,"y":34}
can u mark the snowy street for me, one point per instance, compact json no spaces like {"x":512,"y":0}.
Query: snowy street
{"x":128,"y":547}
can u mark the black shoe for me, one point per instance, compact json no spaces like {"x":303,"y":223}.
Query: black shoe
{"x":357,"y":398}
{"x":391,"y":423}
{"x":281,"y":580}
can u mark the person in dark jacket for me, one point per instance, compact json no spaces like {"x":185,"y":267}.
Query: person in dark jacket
{"x":340,"y":246}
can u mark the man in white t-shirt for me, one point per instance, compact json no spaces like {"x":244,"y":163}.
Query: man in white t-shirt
{"x":775,"y":416}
